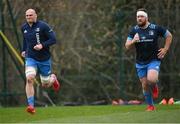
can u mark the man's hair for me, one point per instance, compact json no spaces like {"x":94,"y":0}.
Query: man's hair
{"x":142,"y":9}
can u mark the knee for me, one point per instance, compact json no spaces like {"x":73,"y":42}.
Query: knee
{"x":152,"y":80}
{"x":45,"y":79}
{"x":30,"y":73}
{"x":152,"y":76}
{"x":30,"y":79}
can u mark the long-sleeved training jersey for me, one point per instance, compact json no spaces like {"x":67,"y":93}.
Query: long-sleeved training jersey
{"x":39,"y":32}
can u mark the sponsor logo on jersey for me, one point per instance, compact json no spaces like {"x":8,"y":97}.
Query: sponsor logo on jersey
{"x":143,"y":37}
{"x":50,"y":30}
{"x":37,"y":29}
{"x":38,"y":38}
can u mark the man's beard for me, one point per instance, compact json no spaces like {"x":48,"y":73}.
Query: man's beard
{"x":142,"y":24}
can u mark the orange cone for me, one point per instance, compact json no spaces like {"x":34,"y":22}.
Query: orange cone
{"x":171,"y":101}
{"x":114,"y":102}
{"x":163,"y":102}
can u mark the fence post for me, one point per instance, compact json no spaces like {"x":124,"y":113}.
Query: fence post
{"x":4,"y":73}
{"x":120,"y":17}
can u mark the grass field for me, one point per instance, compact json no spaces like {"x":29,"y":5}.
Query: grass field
{"x":92,"y":114}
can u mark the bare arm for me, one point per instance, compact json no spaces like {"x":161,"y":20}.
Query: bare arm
{"x":163,"y":51}
{"x":130,"y":43}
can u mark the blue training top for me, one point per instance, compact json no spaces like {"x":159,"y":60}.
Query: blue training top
{"x":40,"y":32}
{"x":147,"y":48}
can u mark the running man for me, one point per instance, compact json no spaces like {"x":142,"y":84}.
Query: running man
{"x":37,"y":38}
{"x":144,"y":37}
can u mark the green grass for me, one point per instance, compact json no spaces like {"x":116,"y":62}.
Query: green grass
{"x":92,"y":114}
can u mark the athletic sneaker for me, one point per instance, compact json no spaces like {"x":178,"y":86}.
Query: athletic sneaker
{"x":155,"y":91}
{"x":56,"y":84}
{"x":150,"y":108}
{"x":31,"y":109}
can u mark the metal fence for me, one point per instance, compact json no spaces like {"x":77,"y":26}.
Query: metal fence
{"x":89,"y":58}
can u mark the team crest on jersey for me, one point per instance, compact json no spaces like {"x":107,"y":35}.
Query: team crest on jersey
{"x":25,"y":31}
{"x":151,"y":32}
{"x":37,"y":29}
{"x":50,"y":30}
